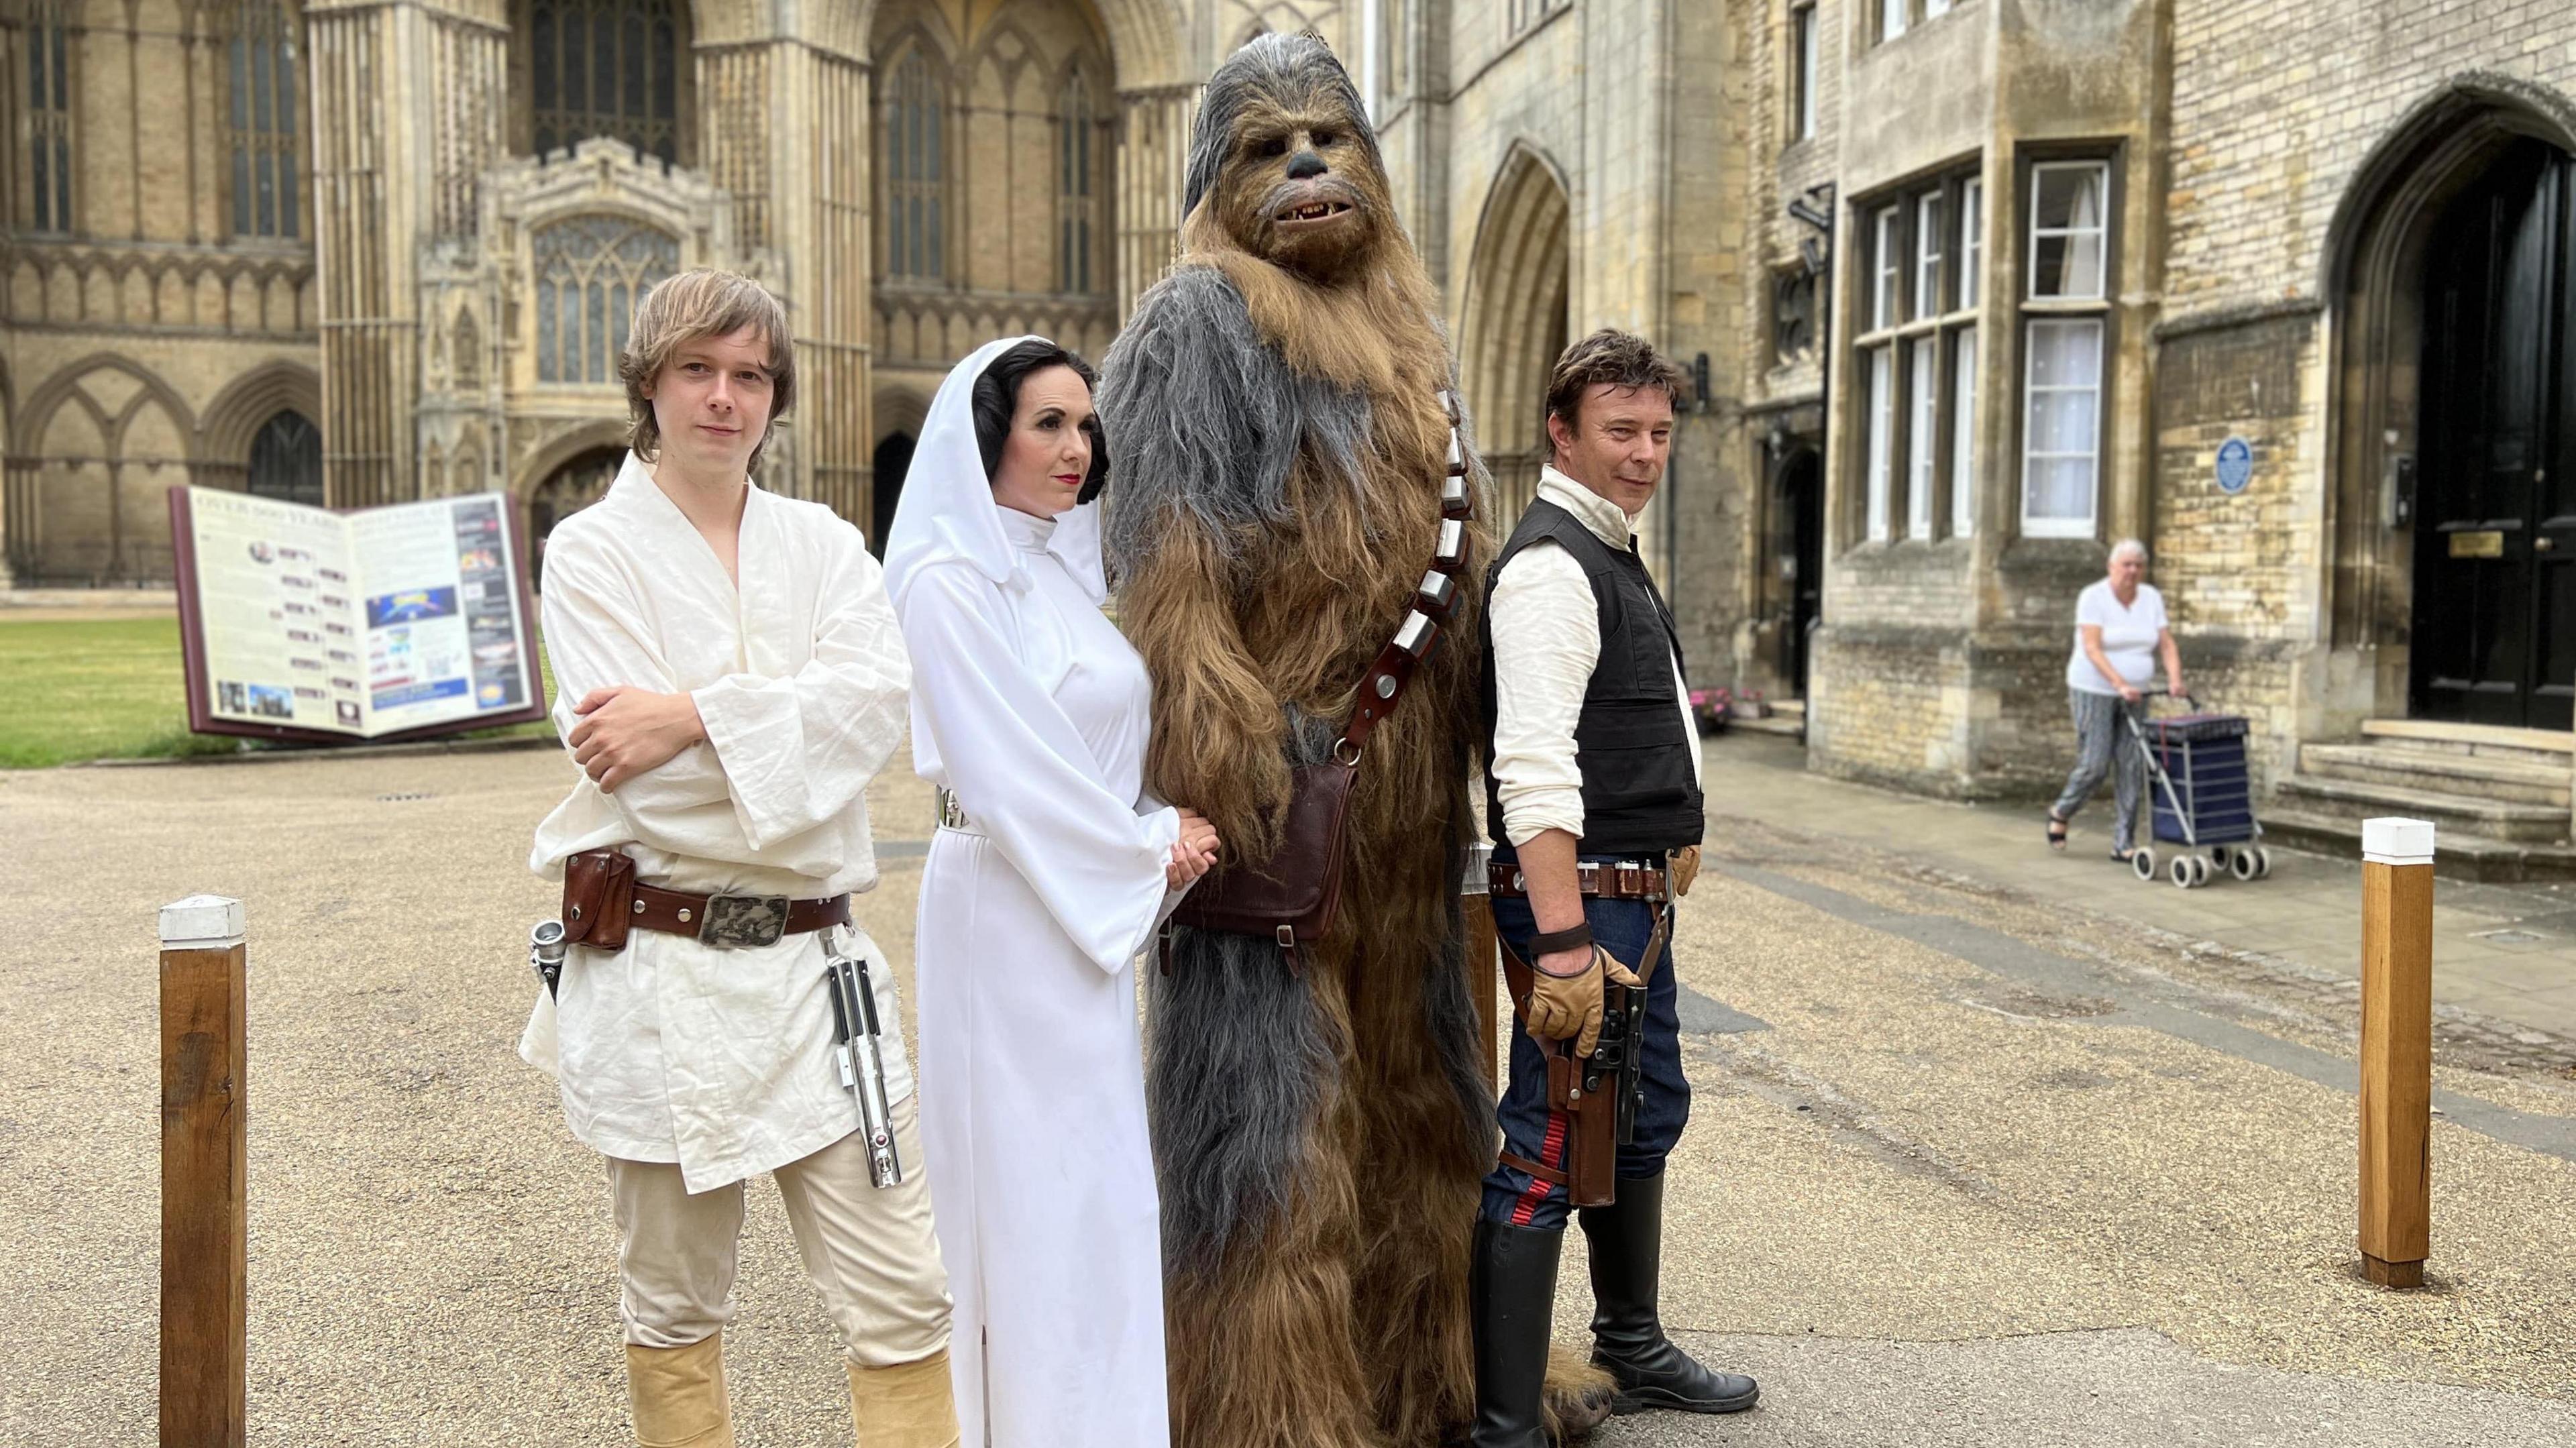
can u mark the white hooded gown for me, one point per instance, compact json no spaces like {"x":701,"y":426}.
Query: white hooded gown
{"x":1030,"y":707}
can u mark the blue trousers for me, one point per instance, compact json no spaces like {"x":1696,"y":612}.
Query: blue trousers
{"x":1533,"y":1131}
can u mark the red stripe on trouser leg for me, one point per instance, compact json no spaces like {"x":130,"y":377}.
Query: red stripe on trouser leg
{"x":1548,"y":1151}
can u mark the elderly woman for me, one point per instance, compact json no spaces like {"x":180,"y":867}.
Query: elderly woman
{"x":2120,"y":632}
{"x":1049,"y":873}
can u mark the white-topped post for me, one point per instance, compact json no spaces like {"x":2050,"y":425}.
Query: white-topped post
{"x":205,"y":1218}
{"x":2396,"y":1050}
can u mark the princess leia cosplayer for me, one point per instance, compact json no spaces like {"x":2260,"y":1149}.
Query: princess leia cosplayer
{"x":1049,"y":873}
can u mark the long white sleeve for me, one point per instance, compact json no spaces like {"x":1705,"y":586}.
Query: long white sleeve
{"x":1025,"y":777}
{"x":799,"y":749}
{"x":1547,"y":639}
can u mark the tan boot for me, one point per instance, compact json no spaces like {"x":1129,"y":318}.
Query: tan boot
{"x":909,"y":1405}
{"x":678,"y":1395}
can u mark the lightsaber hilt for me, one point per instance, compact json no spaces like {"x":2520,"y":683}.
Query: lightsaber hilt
{"x":546,"y":952}
{"x":862,"y":1061}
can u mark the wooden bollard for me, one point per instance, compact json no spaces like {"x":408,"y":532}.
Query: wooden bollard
{"x":205,"y":1277}
{"x":1484,"y":960}
{"x":2396,"y":1050}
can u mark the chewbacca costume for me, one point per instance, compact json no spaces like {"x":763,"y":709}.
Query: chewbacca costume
{"x":1279,"y":441}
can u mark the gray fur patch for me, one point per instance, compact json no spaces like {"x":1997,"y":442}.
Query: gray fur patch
{"x":1243,"y":1064}
{"x":1203,"y":418}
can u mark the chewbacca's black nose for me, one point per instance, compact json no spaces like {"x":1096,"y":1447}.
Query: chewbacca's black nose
{"x":1305,"y":164}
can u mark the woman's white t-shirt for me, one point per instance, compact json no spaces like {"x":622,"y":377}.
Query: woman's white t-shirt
{"x":2128,"y":637}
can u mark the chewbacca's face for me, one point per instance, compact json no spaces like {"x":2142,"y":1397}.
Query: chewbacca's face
{"x":1300,"y":188}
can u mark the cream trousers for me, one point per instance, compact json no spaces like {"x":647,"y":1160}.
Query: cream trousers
{"x":869,"y":1250}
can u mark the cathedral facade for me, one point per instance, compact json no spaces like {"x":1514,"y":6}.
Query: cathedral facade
{"x":1969,"y":290}
{"x":354,"y":252}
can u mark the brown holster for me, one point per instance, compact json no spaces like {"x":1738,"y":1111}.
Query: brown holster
{"x":1587,"y":1095}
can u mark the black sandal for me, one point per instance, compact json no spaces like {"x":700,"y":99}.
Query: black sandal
{"x":2057,"y":834}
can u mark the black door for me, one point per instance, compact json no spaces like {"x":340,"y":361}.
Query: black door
{"x":1797,"y":557}
{"x":2494,"y":638}
{"x":893,"y":460}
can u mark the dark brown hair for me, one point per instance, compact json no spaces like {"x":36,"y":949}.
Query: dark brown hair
{"x":691,"y":307}
{"x":1615,"y":358}
{"x":996,"y":400}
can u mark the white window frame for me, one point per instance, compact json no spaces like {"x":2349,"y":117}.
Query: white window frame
{"x":1803,"y":44}
{"x":1892,"y":18}
{"x":1963,"y":432}
{"x":2062,"y":527}
{"x":1886,"y":299}
{"x":1934,"y":9}
{"x":1922,"y":431}
{"x":1972,"y":242}
{"x":1927,"y":254}
{"x":2099,"y":232}
{"x":1882,"y":437}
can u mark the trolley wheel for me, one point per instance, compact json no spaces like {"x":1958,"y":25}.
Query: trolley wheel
{"x":2201,"y":870}
{"x":2143,"y":860}
{"x":2218,"y":857}
{"x":2182,"y":872}
{"x":2262,"y":861}
{"x":2244,"y":864}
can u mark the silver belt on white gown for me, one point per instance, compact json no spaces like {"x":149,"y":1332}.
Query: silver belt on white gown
{"x":952,"y":816}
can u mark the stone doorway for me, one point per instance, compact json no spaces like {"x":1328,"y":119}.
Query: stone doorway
{"x":566,"y":491}
{"x":893,"y":460}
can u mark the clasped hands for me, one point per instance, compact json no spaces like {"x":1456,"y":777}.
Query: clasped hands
{"x":1194,"y":854}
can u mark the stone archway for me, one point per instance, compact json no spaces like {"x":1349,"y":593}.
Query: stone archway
{"x":2381,"y":244}
{"x":1514,"y":323}
{"x":574,"y":485}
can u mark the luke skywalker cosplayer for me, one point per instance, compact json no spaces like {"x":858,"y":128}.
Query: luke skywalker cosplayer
{"x":1595,"y":809}
{"x":729,"y":677}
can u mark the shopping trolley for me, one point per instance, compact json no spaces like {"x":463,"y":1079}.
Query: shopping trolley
{"x":2201,"y":796}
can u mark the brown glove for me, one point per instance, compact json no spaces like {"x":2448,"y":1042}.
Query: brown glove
{"x":1570,"y":1005}
{"x":1684,"y":868}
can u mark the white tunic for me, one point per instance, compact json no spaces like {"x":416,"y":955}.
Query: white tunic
{"x":1547,"y":640}
{"x":1034,"y":711}
{"x":719,"y":1060}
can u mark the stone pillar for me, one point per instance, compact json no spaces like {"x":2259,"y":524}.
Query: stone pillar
{"x":403,"y":120}
{"x":1153,"y":150}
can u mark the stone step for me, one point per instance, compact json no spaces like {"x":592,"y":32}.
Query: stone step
{"x":2545,"y":747}
{"x":1779,"y":721}
{"x":2495,"y":819}
{"x":2456,"y":855}
{"x":2440,"y":770}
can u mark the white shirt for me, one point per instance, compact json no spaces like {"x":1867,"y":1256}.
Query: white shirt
{"x":1547,"y":639}
{"x":672,"y":1051}
{"x":2129,"y":637}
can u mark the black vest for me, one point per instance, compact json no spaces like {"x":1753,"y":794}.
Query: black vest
{"x":1640,"y":792}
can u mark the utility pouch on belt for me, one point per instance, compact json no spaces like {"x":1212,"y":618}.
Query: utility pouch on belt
{"x":598,"y":899}
{"x":1293,"y":896}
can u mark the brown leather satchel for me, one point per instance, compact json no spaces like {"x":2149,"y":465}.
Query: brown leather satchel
{"x":1294,"y":894}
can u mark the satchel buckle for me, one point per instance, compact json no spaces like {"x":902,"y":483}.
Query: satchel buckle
{"x":739,"y":921}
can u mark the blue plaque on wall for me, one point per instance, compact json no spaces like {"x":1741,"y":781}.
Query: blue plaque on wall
{"x":2235,"y":465}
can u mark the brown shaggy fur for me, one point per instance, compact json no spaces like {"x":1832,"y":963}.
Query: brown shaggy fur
{"x":1343,"y":1323}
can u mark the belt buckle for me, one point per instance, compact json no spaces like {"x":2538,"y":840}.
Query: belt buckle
{"x":951,"y":814}
{"x":739,"y":921}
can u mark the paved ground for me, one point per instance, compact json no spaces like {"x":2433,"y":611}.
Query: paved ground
{"x":1968,"y":1165}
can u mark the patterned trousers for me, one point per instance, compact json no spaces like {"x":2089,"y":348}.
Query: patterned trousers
{"x":2099,"y":745}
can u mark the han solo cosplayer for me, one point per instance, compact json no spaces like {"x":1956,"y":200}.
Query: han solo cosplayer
{"x":1594,"y":804}
{"x":729,"y":677}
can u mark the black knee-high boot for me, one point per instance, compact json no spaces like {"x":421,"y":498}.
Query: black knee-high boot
{"x":1627,"y":1334}
{"x":1512,"y":1294}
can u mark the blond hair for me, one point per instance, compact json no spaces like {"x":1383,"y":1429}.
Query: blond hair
{"x":692,"y":307}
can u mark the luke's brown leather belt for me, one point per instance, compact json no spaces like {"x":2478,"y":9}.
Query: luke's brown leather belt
{"x":732,"y":919}
{"x":1621,"y":880}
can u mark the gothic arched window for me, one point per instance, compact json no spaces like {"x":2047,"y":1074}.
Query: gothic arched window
{"x":260,"y":74}
{"x":591,"y":271}
{"x":1073,"y":205}
{"x":916,"y":170}
{"x":605,"y":68}
{"x":49,"y":116}
{"x":286,"y":459}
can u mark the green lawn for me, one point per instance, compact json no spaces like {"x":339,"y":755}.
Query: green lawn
{"x":81,"y":689}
